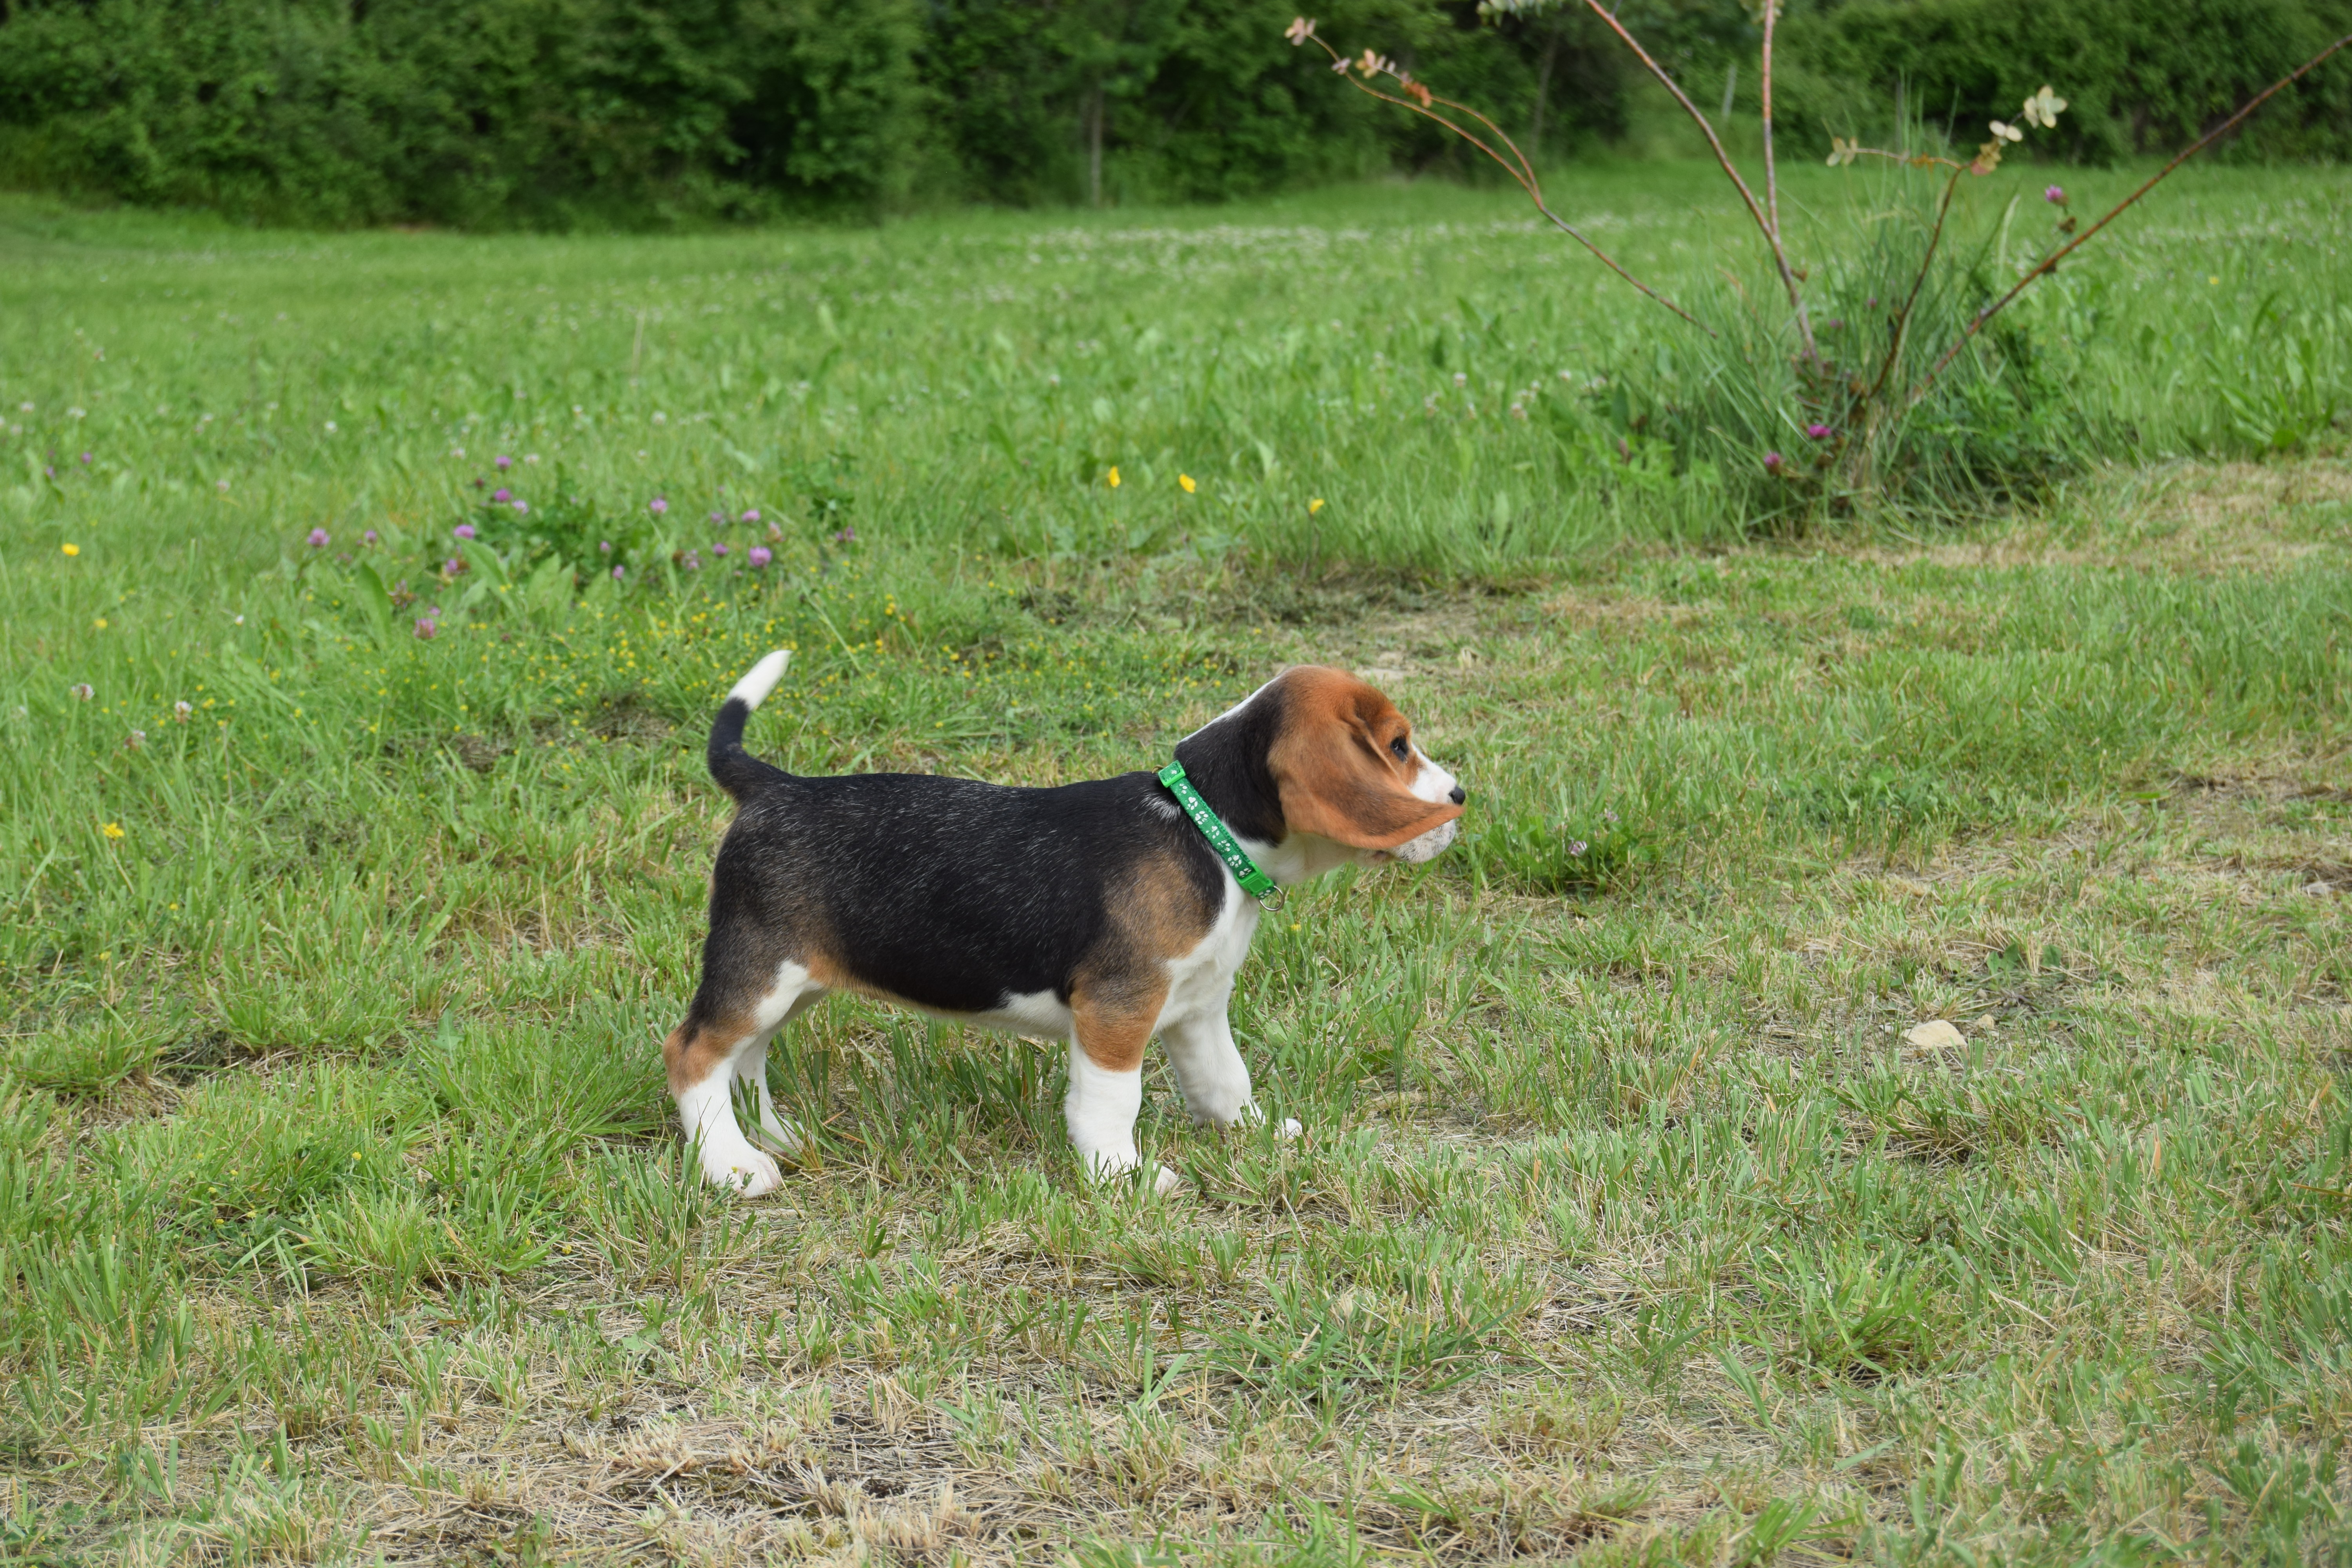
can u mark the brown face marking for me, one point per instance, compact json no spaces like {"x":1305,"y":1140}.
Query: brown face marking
{"x":1335,"y":769}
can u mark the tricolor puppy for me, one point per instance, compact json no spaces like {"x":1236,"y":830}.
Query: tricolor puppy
{"x":1100,"y":914}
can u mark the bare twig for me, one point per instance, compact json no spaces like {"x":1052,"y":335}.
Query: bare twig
{"x":1903,"y":317}
{"x":1772,"y":171}
{"x":1529,"y":181}
{"x":2049,"y":263}
{"x":1517,"y":165}
{"x":1771,"y":234}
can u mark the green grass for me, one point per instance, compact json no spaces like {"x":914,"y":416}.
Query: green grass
{"x":341,"y":1209}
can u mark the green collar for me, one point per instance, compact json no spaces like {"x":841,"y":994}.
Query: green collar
{"x":1254,"y":882}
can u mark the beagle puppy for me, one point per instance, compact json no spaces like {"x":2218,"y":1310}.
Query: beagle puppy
{"x":1100,"y":913}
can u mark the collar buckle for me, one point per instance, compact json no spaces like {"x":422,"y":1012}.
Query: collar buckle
{"x":1222,"y":841}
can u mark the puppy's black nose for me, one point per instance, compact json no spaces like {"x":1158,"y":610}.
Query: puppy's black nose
{"x":1457,"y":795}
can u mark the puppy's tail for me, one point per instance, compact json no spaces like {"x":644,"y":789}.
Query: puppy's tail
{"x":739,"y":772}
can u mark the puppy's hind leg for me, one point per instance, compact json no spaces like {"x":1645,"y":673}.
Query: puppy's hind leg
{"x":772,"y":1132}
{"x":716,"y":1047}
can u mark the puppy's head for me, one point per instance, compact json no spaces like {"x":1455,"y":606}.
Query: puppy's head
{"x":1345,"y":767}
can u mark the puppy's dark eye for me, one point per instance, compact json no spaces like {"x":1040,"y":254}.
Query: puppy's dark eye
{"x":1400,"y":749}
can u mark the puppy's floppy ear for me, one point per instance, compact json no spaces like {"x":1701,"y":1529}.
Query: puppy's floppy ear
{"x":1334,"y":770}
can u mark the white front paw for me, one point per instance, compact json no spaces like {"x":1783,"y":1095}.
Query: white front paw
{"x":747,"y":1172}
{"x":1166,"y":1182}
{"x":1287,"y":1129}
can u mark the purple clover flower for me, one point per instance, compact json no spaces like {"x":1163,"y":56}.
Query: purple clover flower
{"x":451,"y":567}
{"x":502,"y":494}
{"x":718,"y":517}
{"x":616,"y":572}
{"x":504,"y":461}
{"x":761,"y":555}
{"x":369,"y":537}
{"x":720,"y":548}
{"x":691,"y":561}
{"x":603,"y":547}
{"x":464,"y":531}
{"x":85,"y":456}
{"x":845,"y":535}
{"x":658,"y":506}
{"x":2055,"y":194}
{"x":752,"y":516}
{"x":1772,"y":461}
{"x":318,"y":538}
{"x":1819,"y":432}
{"x":521,"y":508}
{"x":427,"y":628}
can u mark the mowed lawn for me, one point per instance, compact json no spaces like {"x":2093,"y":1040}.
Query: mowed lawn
{"x":351,"y":886}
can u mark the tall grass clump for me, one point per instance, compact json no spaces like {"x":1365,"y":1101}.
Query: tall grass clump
{"x":1886,"y":374}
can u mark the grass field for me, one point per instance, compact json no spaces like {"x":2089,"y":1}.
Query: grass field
{"x":341,"y":1209}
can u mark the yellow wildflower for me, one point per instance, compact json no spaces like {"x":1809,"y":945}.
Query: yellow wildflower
{"x":1315,"y":506}
{"x":112,"y":830}
{"x":1113,"y":480}
{"x":73,"y":549}
{"x":1185,"y":481}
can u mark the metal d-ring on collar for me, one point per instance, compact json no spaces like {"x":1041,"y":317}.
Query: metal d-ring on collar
{"x":1254,"y":882}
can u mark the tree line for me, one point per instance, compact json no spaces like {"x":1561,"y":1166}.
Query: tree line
{"x":563,"y":113}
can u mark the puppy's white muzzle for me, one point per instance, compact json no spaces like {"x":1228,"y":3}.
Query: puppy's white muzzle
{"x":1429,"y":845}
{"x":1432,"y":782}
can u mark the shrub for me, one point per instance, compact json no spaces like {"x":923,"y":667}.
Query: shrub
{"x":471,"y":112}
{"x":2142,"y":79}
{"x":1917,"y":395}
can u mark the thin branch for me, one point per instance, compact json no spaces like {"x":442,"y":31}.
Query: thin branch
{"x":1534,"y":193}
{"x":1771,"y":236}
{"x":1517,"y":165}
{"x":2049,"y":263}
{"x":1772,"y":171}
{"x":1903,"y":317}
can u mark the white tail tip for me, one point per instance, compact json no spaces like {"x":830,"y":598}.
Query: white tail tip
{"x":761,"y":678}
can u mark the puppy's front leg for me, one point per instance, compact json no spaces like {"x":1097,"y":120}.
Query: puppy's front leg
{"x":1107,"y":1094}
{"x":1210,"y":1070}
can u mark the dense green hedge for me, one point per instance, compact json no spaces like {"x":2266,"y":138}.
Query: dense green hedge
{"x":469,"y":111}
{"x":489,"y":113}
{"x":2140,"y":76}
